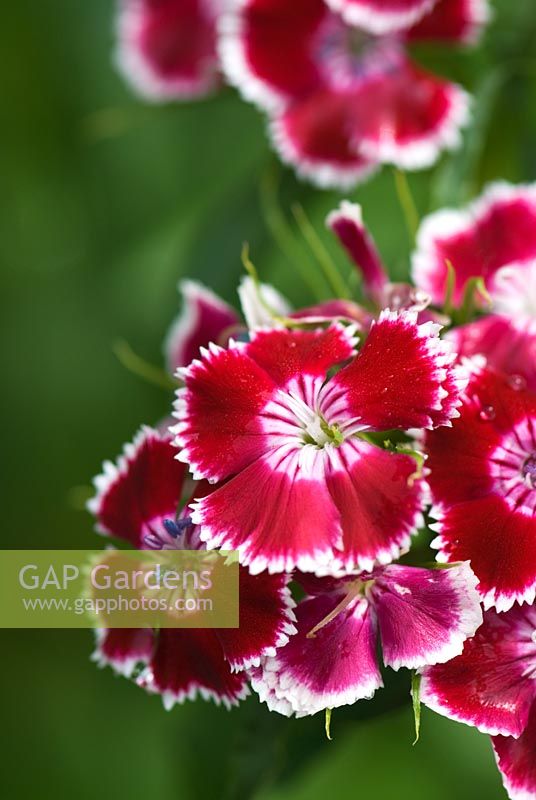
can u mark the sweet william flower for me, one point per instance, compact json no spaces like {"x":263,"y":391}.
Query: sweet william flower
{"x":167,"y":48}
{"x":137,"y":501}
{"x":340,"y":89}
{"x":494,"y":240}
{"x":421,"y":616}
{"x":482,"y":475}
{"x":492,"y":685}
{"x":302,"y":485}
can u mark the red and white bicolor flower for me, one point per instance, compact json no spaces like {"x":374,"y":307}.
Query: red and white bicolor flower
{"x":492,"y":685}
{"x":138,"y":500}
{"x":167,"y":48}
{"x":303,"y":488}
{"x":494,"y":239}
{"x":482,"y":475}
{"x":421,"y":616}
{"x":340,"y":89}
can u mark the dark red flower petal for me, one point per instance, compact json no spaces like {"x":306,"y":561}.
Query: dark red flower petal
{"x":204,"y":318}
{"x":220,"y":429}
{"x":497,"y":230}
{"x":266,"y":620}
{"x":401,"y":378}
{"x":267,"y":48}
{"x":406,"y":116}
{"x":124,"y":648}
{"x":516,"y":759}
{"x":287,"y":355}
{"x":167,"y":48}
{"x":313,"y":136}
{"x":452,"y":21}
{"x":140,"y":490}
{"x":490,"y":684}
{"x":508,"y":347}
{"x":188,"y":663}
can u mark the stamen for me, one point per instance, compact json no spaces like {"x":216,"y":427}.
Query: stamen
{"x":177,"y":527}
{"x":355,"y":591}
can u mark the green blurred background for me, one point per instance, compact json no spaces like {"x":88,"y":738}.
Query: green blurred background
{"x":106,"y":202}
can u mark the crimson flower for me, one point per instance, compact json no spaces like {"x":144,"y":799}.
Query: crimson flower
{"x":340,"y":89}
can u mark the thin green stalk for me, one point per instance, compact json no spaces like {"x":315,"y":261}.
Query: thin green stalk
{"x":283,"y":235}
{"x":143,"y":369}
{"x":331,"y":273}
{"x":407,"y":203}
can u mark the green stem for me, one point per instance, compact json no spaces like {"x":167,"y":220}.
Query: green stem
{"x":143,"y":369}
{"x":331,"y":273}
{"x":407,"y":203}
{"x":283,"y":235}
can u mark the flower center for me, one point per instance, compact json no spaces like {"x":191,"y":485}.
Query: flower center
{"x":513,"y":467}
{"x":318,"y":432}
{"x":529,"y":471}
{"x":168,"y":534}
{"x":346,"y":54}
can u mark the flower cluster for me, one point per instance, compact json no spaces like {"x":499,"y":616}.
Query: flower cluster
{"x":314,"y":441}
{"x":336,"y":78}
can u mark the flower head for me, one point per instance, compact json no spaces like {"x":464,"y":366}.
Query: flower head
{"x":421,"y":617}
{"x":286,"y":429}
{"x":336,"y":79}
{"x":492,"y":685}
{"x":482,"y":482}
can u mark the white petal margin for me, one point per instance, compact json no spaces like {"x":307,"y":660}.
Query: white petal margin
{"x":170,"y":699}
{"x":112,"y":473}
{"x":360,"y":14}
{"x":425,"y":150}
{"x":137,"y":71}
{"x":323,"y":174}
{"x":235,"y":64}
{"x":287,"y":628}
{"x":260,"y":303}
{"x":124,"y":667}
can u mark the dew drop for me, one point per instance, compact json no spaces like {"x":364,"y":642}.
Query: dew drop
{"x":517,"y":382}
{"x":487,"y":414}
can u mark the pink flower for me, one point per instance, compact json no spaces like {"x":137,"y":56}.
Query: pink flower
{"x":492,"y":686}
{"x":303,"y":486}
{"x":337,"y":82}
{"x":167,"y":48}
{"x":421,"y":617}
{"x":494,"y":239}
{"x":137,"y":501}
{"x":483,"y":482}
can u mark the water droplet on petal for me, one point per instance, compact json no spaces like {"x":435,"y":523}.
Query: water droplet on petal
{"x":487,"y":414}
{"x":517,"y":382}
